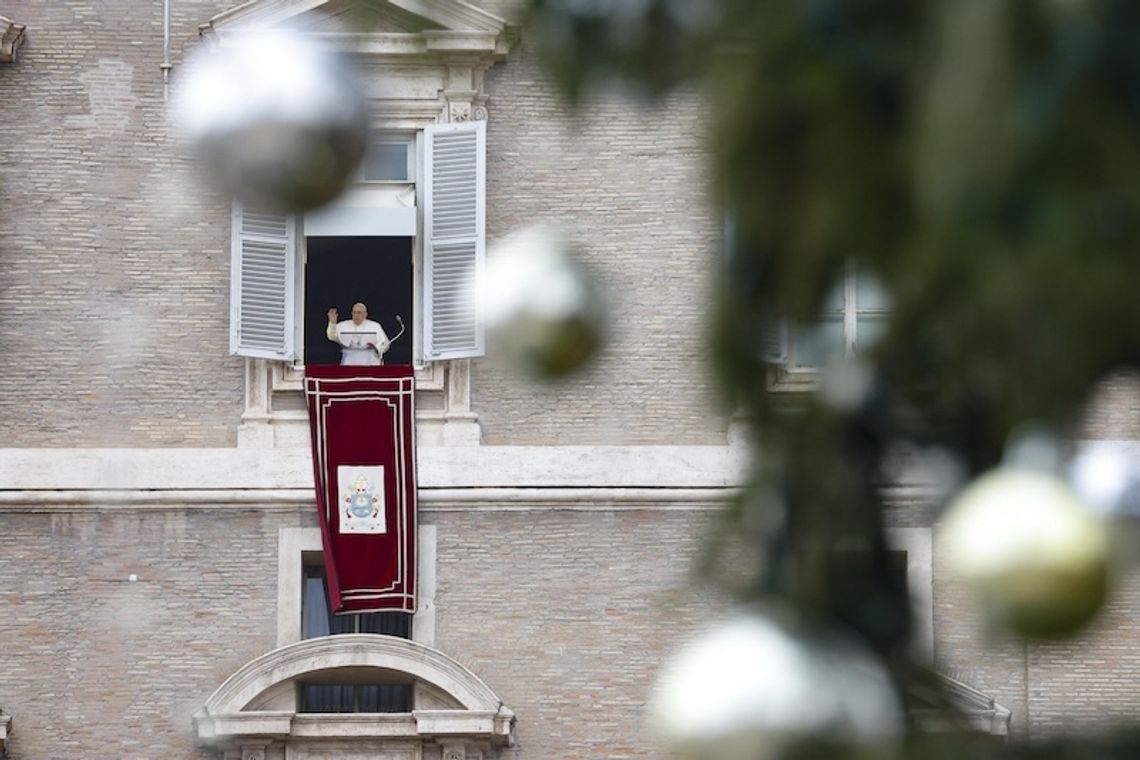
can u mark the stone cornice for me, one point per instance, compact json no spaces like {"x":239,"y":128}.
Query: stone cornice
{"x":438,"y":467}
{"x":430,"y":500}
{"x":11,"y":38}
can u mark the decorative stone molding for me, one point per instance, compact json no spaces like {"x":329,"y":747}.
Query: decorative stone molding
{"x":608,"y":471}
{"x":942,"y":703}
{"x":11,"y":38}
{"x":235,"y":715}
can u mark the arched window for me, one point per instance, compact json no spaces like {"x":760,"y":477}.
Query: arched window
{"x":453,"y":715}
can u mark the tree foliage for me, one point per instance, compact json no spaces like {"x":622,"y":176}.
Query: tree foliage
{"x":981,"y":159}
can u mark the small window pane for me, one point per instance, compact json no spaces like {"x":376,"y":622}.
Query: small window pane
{"x":385,"y":698}
{"x":870,"y":294}
{"x":332,"y":698}
{"x":315,"y":614}
{"x":387,"y":623}
{"x":868,"y":331}
{"x":386,"y":162}
{"x":835,"y":300}
{"x":816,"y":345}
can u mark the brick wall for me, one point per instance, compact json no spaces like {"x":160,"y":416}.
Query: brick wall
{"x":566,"y":615}
{"x":113,"y":297}
{"x":629,"y":182}
{"x":93,"y":666}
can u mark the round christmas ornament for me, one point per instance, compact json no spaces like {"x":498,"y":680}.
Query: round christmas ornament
{"x":750,"y":689}
{"x":1029,"y":549}
{"x":544,"y":314}
{"x":276,"y":121}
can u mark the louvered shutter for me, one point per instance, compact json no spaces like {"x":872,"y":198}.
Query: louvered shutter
{"x":263,"y":256}
{"x":774,"y":343}
{"x":454,"y":182}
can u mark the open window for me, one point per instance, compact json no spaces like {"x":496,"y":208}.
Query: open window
{"x":406,"y":243}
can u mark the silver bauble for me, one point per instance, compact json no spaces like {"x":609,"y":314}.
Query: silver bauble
{"x":275,"y":120}
{"x":544,"y":314}
{"x":1031,"y":552}
{"x":750,"y":689}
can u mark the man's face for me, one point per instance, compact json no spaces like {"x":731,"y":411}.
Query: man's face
{"x":359,"y":313}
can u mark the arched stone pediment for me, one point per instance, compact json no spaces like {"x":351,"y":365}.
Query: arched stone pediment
{"x":232,"y":716}
{"x":401,"y":28}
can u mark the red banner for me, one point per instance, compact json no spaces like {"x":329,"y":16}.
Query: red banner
{"x":362,"y":421}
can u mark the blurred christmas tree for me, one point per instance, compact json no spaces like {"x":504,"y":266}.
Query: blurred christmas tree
{"x":980,"y":161}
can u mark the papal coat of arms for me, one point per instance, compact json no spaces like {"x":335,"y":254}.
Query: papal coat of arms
{"x":361,"y":499}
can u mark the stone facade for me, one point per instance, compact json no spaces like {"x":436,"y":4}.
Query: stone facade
{"x":139,"y":544}
{"x":119,"y":262}
{"x":95,"y":665}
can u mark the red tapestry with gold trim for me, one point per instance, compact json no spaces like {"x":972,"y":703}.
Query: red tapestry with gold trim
{"x":362,"y":421}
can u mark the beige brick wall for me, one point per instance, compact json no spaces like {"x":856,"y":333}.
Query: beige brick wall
{"x":1092,"y":681}
{"x":113,"y":297}
{"x":566,"y":615}
{"x":92,"y":666}
{"x":1113,"y":409}
{"x":629,"y":183}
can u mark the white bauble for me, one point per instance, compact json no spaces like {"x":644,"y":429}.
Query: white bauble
{"x":750,"y":689}
{"x":275,"y":120}
{"x":1029,"y":549}
{"x":544,"y":314}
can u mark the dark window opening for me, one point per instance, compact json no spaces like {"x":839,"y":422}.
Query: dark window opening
{"x":318,"y":620}
{"x":356,"y":698}
{"x":340,"y":271}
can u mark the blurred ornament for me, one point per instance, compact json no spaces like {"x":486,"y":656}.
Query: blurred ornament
{"x":276,"y":121}
{"x":1105,"y":477}
{"x":1030,"y":550}
{"x":750,"y":689}
{"x":544,"y":314}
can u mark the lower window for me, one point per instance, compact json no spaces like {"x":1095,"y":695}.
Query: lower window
{"x":330,"y":696}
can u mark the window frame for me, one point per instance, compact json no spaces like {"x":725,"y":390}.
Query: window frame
{"x":298,"y":547}
{"x":448,"y":233}
{"x":788,"y":374}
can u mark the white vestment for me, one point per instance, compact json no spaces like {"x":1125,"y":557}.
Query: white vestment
{"x":354,"y":340}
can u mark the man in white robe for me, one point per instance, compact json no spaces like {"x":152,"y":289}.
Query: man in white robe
{"x":362,"y":341}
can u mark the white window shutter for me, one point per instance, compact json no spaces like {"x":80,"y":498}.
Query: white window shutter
{"x":454,"y":203}
{"x":262,"y":298}
{"x":774,"y":343}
